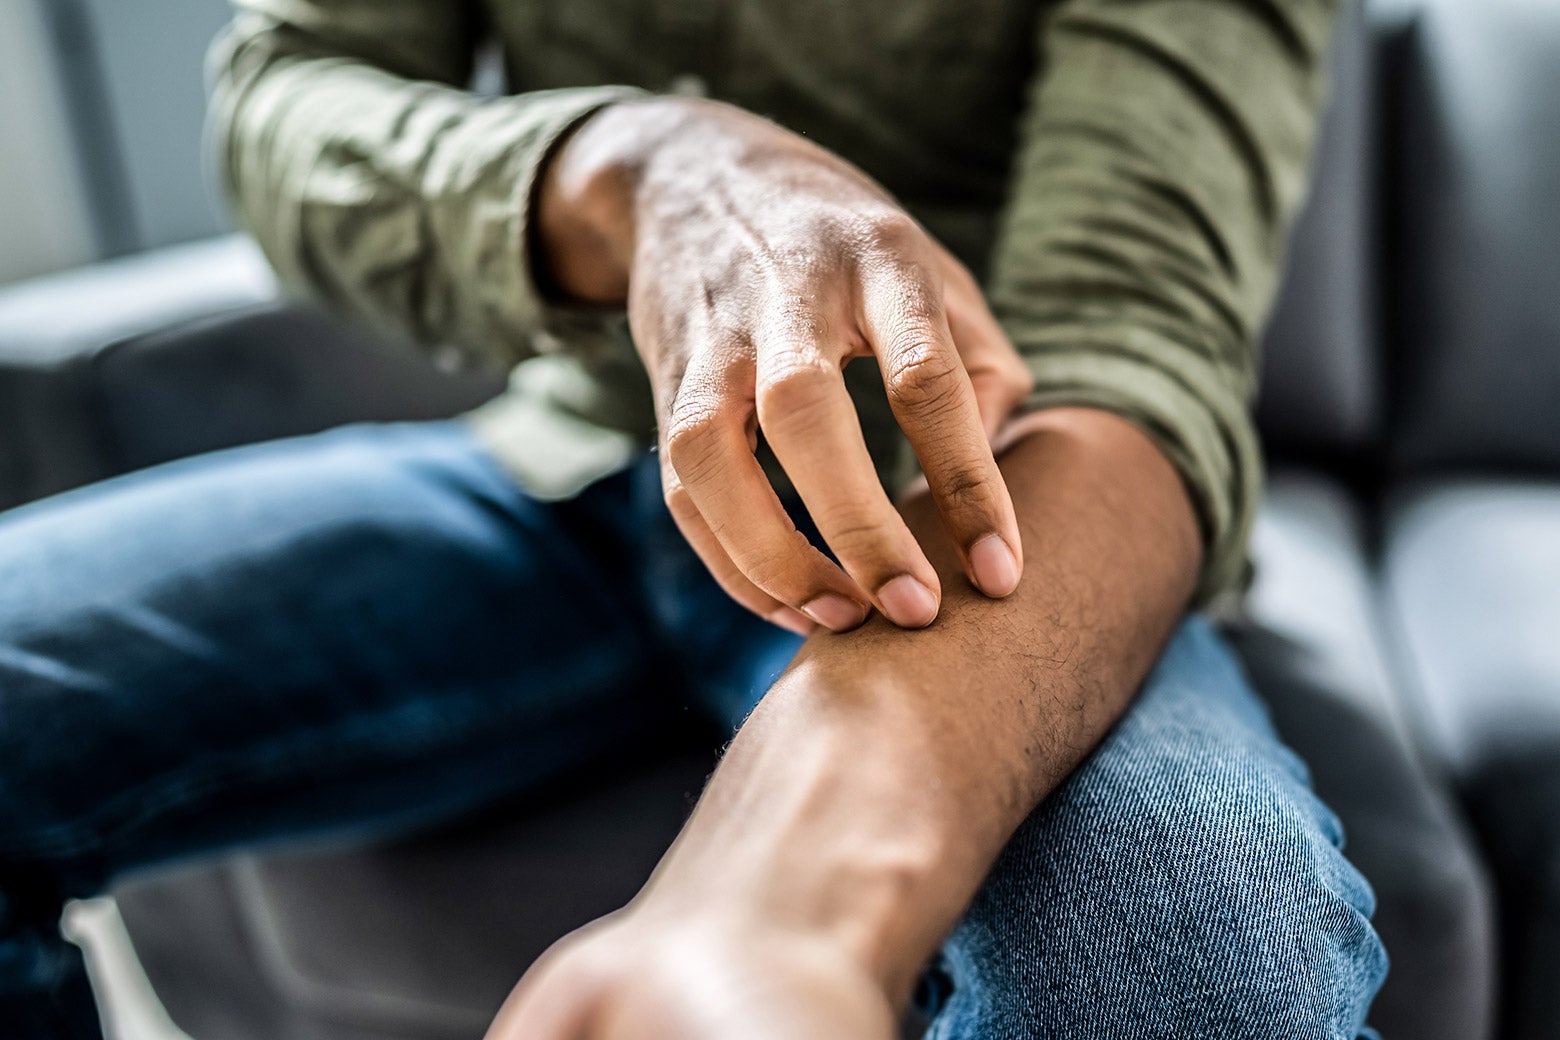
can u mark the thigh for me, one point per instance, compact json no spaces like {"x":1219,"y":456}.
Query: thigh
{"x":1185,"y":881}
{"x":370,"y":626}
{"x":726,"y":658}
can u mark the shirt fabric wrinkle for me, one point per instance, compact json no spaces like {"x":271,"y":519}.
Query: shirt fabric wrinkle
{"x":1152,"y":155}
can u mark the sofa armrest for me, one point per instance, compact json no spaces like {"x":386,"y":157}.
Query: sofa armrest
{"x":263,"y":372}
{"x":51,"y":328}
{"x":52,"y":320}
{"x":133,"y":362}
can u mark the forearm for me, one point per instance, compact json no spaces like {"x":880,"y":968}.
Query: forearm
{"x":871,"y":790}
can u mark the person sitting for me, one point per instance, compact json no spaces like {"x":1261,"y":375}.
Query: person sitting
{"x":890,"y":403}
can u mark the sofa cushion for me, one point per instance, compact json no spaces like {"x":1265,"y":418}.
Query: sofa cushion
{"x":1314,"y":646}
{"x":51,"y":320}
{"x":133,"y":362}
{"x":51,"y":328}
{"x":418,"y":940}
{"x":1471,"y":569}
{"x":1313,"y":588}
{"x":1471,"y":572}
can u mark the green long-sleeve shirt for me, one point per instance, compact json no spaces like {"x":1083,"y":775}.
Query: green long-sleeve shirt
{"x":1120,"y":173}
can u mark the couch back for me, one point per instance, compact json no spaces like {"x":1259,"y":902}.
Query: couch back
{"x":1420,"y":319}
{"x":1475,"y":358}
{"x":1321,"y":384}
{"x":1419,"y":325}
{"x":134,"y":73}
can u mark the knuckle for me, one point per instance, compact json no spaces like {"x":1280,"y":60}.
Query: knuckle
{"x":964,"y":485}
{"x":692,"y":441}
{"x":856,"y":537}
{"x":966,"y":492}
{"x":792,"y":318}
{"x":783,"y":570}
{"x":678,"y":502}
{"x":892,"y":231}
{"x":921,"y":305}
{"x":796,"y":385}
{"x":920,"y":374}
{"x":773,"y":573}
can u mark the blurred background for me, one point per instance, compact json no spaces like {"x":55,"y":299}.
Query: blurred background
{"x":1405,"y":624}
{"x":101,"y":106}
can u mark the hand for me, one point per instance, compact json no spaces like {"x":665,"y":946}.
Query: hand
{"x":755,"y":265}
{"x":864,"y":800}
{"x":624,"y":978}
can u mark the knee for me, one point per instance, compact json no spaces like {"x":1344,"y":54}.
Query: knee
{"x":1186,"y":882}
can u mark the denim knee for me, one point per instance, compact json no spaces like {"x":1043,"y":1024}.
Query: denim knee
{"x":1184,"y":882}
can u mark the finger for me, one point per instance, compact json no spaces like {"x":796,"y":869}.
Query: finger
{"x":1000,"y":379}
{"x":718,"y":562}
{"x":808,"y":419}
{"x":668,"y":376}
{"x":706,"y":444}
{"x":933,"y":400}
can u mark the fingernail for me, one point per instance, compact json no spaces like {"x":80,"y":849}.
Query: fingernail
{"x":908,"y":603}
{"x":835,"y":612}
{"x":994,"y":565}
{"x":794,"y":621}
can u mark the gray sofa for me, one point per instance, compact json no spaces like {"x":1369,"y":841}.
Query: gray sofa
{"x":1404,"y":626}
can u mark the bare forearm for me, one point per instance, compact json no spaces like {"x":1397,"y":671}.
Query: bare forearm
{"x":872,"y":789}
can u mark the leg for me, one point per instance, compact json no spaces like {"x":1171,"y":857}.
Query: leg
{"x":371,"y":627}
{"x":1434,"y":898}
{"x":1184,"y":882}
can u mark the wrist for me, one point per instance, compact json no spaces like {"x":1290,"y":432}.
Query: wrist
{"x":1105,"y":439}
{"x":588,"y":194}
{"x":583,"y":228}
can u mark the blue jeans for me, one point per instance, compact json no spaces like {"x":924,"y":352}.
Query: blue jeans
{"x":374,"y":628}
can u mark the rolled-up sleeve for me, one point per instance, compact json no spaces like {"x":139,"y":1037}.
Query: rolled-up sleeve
{"x":1163,"y":155}
{"x":373,"y":180}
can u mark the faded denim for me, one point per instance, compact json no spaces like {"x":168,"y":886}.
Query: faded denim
{"x":367,"y":630}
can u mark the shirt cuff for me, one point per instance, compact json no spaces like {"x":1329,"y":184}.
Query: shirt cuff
{"x":1211,"y":443}
{"x":510,"y":142}
{"x":551,"y":114}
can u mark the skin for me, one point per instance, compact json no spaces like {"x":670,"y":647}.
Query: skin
{"x":857,"y":811}
{"x":755,"y":265}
